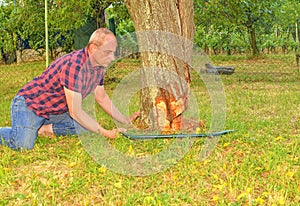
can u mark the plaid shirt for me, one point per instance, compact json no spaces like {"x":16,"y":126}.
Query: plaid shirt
{"x":45,"y":94}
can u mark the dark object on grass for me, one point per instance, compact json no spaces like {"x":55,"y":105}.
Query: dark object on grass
{"x":166,"y":136}
{"x":219,"y":69}
{"x":297,"y":59}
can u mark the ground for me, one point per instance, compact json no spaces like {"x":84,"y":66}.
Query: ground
{"x":258,"y":164}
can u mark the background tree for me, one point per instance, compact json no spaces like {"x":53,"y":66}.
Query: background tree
{"x":9,"y":29}
{"x":286,"y":26}
{"x":247,"y":15}
{"x":231,"y":26}
{"x":23,"y":23}
{"x":119,"y":13}
{"x":98,"y":8}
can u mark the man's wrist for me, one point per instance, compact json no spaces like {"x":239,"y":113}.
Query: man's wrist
{"x":101,"y":131}
{"x":128,"y":120}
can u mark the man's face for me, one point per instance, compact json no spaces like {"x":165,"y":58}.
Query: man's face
{"x":103,"y":55}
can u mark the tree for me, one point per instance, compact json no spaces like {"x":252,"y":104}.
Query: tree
{"x":162,"y":26}
{"x":288,"y":22}
{"x":247,"y":14}
{"x":98,"y":10}
{"x":9,"y":25}
{"x":25,"y":21}
{"x":123,"y":22}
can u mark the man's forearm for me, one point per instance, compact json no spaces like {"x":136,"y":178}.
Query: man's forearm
{"x":111,"y":110}
{"x":74,"y":101}
{"x":87,"y":121}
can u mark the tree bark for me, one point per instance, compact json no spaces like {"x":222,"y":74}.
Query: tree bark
{"x":165,"y":31}
{"x":252,"y":38}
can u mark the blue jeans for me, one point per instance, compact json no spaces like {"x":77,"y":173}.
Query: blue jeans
{"x":25,"y":126}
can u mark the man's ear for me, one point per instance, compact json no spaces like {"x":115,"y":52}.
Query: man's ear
{"x":92,"y":48}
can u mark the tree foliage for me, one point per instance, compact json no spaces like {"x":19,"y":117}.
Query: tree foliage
{"x":235,"y":26}
{"x":249,"y":20}
{"x":9,"y":28}
{"x":25,"y":22}
{"x":231,"y":26}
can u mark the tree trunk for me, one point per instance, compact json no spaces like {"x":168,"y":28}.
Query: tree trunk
{"x":165,"y":31}
{"x":252,"y":38}
{"x":101,"y":19}
{"x":297,"y":32}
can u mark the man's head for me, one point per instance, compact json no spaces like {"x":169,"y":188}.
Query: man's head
{"x":101,"y":47}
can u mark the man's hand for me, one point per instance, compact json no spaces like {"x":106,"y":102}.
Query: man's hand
{"x":134,"y":116}
{"x":111,"y":134}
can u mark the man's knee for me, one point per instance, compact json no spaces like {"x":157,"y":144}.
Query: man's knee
{"x":24,"y":139}
{"x":24,"y":144}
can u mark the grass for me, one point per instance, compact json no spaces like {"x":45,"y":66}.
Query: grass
{"x":258,"y":164}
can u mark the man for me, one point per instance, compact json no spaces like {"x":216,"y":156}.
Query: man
{"x":51,"y":104}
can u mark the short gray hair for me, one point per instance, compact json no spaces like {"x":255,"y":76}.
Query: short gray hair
{"x":99,"y":36}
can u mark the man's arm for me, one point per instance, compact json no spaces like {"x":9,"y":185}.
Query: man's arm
{"x":74,"y":101}
{"x":107,"y":105}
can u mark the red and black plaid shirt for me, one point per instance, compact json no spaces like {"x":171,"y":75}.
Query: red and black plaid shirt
{"x":45,"y":94}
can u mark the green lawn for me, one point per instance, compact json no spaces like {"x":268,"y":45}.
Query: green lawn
{"x":258,"y":164}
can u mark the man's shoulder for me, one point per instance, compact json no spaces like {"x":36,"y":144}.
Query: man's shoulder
{"x":81,"y":53}
{"x":74,"y":57}
{"x":78,"y":56}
